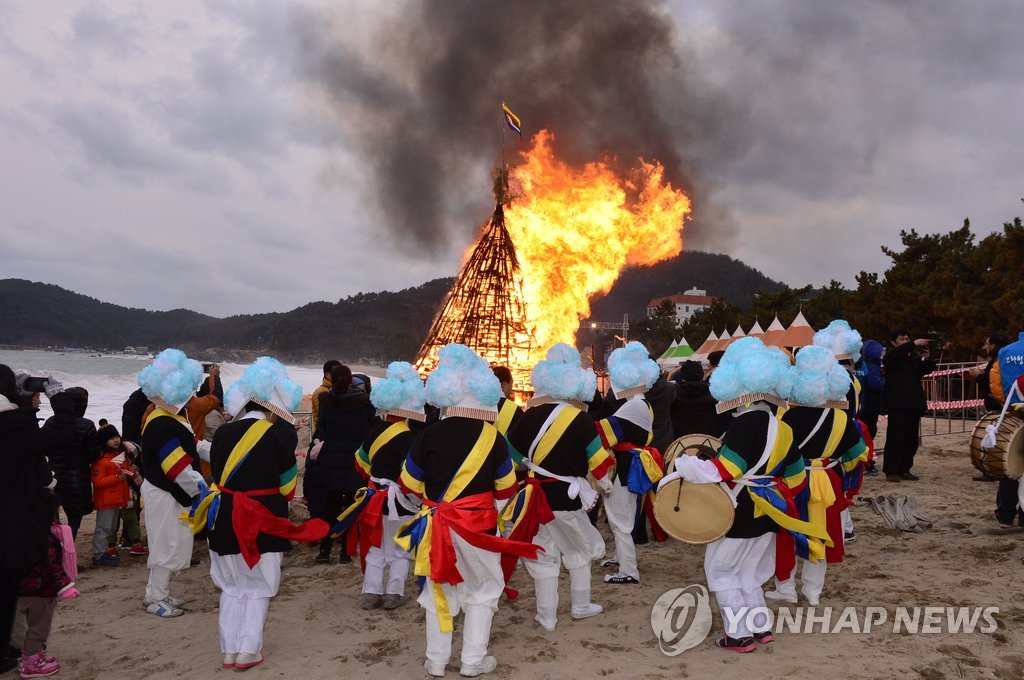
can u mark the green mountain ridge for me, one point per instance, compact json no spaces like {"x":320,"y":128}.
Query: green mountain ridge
{"x":384,"y":325}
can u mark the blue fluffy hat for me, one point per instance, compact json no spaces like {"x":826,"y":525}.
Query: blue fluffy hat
{"x":265,"y":382}
{"x":844,"y":342}
{"x":171,"y":380}
{"x":631,"y":370}
{"x":560,"y":375}
{"x":401,"y":392}
{"x":817,"y":379}
{"x":464,"y":379}
{"x":749,"y":371}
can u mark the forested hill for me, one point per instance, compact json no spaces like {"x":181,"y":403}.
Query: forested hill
{"x":387,"y":325}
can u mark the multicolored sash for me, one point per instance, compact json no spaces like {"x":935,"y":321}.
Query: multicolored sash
{"x":249,"y":517}
{"x":428,"y":535}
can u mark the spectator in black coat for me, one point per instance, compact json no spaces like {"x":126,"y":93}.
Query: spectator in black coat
{"x":905,"y":402}
{"x":693,"y":411}
{"x":661,"y":396}
{"x":24,"y":521}
{"x":131,"y":416}
{"x":345,"y":419}
{"x":72,"y":461}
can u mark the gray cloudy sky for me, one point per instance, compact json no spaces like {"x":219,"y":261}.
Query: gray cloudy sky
{"x":238,"y":157}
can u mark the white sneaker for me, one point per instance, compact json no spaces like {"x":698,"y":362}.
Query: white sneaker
{"x":779,"y":597}
{"x":610,"y":564}
{"x":164,"y":610}
{"x":540,"y":622}
{"x":434,"y":669}
{"x":170,"y":599}
{"x":586,"y":611}
{"x":486,"y":665}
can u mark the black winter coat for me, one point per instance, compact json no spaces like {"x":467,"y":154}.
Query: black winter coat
{"x":131,"y":416}
{"x":345,"y":421}
{"x":72,"y":460}
{"x":693,"y":411}
{"x":903,"y":373}
{"x":24,"y":520}
{"x":661,"y":397}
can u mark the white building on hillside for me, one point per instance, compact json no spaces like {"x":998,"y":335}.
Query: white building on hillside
{"x":687,"y":304}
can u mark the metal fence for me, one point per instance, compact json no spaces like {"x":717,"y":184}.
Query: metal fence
{"x":954,"y":403}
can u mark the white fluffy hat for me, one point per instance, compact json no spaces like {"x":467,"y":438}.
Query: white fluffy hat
{"x":171,"y":380}
{"x":560,"y":375}
{"x":400,"y":392}
{"x":265,"y":382}
{"x":817,"y":379}
{"x":750,"y":372}
{"x":841,"y":340}
{"x":631,"y":370}
{"x":463,"y":384}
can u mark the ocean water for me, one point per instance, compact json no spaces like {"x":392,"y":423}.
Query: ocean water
{"x":110,"y":379}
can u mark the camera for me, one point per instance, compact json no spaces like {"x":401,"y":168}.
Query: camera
{"x":207,"y":366}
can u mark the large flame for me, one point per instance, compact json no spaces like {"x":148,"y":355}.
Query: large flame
{"x":575,"y":229}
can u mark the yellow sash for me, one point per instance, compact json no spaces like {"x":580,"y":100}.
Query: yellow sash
{"x":505,"y":415}
{"x":386,"y":436}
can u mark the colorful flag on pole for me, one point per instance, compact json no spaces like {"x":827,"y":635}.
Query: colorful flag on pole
{"x":512,"y":120}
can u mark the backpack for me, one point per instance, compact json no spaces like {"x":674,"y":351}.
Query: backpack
{"x":69,"y":556}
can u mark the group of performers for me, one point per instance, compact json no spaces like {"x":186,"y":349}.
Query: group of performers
{"x":463,"y":501}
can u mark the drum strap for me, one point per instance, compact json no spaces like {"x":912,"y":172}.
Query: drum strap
{"x":989,"y":441}
{"x":814,"y":431}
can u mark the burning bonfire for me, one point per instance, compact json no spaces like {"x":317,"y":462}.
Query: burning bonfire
{"x":565,"y":236}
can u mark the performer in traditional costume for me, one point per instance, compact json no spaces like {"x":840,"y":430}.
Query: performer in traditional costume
{"x":170,"y":466}
{"x":381,"y":508}
{"x":461,"y":467}
{"x":508,"y":410}
{"x":761,"y":473}
{"x":830,"y":446}
{"x":246,"y":509}
{"x":629,"y":432}
{"x":557,"y":442}
{"x":845,"y":343}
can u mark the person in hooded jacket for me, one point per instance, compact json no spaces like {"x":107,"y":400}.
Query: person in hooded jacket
{"x":24,"y":521}
{"x":872,"y":384}
{"x":346,"y":415}
{"x":693,"y":411}
{"x":72,"y":462}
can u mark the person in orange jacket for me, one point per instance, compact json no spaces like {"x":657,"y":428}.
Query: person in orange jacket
{"x":110,"y":495}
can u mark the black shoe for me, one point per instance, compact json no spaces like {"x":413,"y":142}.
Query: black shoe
{"x":8,"y":663}
{"x":984,"y":478}
{"x":344,"y":559}
{"x":893,"y":478}
{"x":910,"y":477}
{"x":324,"y":557}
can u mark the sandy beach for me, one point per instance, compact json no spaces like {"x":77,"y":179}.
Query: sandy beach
{"x":316,"y":630}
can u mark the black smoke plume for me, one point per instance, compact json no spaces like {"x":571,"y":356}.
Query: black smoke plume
{"x":420,"y":98}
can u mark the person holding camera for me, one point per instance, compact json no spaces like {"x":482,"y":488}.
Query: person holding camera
{"x":905,"y":363}
{"x":24,"y":522}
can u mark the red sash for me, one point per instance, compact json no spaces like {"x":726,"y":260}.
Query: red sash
{"x":249,"y":518}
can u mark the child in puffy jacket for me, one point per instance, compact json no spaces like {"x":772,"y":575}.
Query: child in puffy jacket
{"x":128,"y":460}
{"x":42,"y":585}
{"x":110,"y":494}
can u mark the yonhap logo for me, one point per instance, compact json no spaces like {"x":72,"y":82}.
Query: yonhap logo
{"x":681,"y":619}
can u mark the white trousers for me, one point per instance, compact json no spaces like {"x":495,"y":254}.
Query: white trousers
{"x":620,"y":507}
{"x":244,"y":599}
{"x":482,"y":585}
{"x":737,"y":569}
{"x":569,"y":539}
{"x":170,"y":540}
{"x":812,"y":574}
{"x":847,"y":521}
{"x":389,"y":556}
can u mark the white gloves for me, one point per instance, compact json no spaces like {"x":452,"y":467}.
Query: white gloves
{"x":605,"y":485}
{"x":315,"y":451}
{"x":698,"y":471}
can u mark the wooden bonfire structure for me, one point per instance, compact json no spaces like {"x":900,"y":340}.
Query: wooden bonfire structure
{"x":485,"y":309}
